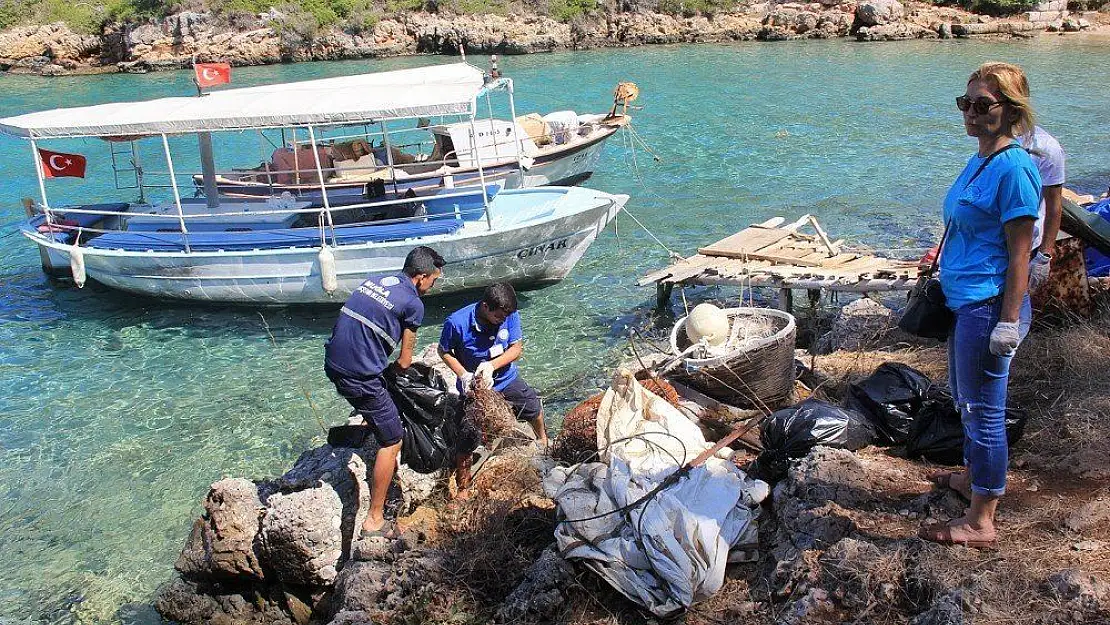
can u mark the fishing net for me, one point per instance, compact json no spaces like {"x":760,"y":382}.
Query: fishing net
{"x":577,"y":441}
{"x":488,"y":411}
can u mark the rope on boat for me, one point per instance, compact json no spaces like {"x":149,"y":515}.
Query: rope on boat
{"x":673,"y":255}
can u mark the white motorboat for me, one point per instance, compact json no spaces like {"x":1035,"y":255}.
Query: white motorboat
{"x":287,"y":249}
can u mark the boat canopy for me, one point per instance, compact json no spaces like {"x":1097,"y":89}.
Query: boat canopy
{"x":436,"y":90}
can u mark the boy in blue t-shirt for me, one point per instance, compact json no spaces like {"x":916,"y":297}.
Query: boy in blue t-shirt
{"x":481,"y":343}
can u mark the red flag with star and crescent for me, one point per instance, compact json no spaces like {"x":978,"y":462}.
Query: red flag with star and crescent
{"x":62,"y":165}
{"x":210,"y":74}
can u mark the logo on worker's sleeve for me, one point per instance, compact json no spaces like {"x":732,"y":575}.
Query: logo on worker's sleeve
{"x":503,"y":334}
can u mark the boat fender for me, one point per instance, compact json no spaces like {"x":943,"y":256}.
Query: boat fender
{"x":77,"y":265}
{"x":328,"y":275}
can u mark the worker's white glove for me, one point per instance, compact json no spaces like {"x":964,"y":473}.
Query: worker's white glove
{"x":466,"y":380}
{"x":1005,"y":338}
{"x":1038,"y":269}
{"x":484,"y":374}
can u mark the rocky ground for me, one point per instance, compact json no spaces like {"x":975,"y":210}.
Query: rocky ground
{"x":171,"y":43}
{"x":837,"y":538}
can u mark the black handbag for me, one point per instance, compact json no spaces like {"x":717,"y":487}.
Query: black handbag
{"x":927,"y":314}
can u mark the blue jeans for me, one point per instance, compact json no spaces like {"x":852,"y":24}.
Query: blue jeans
{"x":978,"y":380}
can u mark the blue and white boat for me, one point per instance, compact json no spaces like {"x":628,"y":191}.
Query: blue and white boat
{"x":289,"y":249}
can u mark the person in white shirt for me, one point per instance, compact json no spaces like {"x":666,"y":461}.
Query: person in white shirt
{"x":1049,"y":158}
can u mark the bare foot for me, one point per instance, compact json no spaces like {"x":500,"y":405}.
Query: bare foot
{"x":960,"y":532}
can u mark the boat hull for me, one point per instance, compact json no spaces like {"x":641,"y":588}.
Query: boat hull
{"x":532,"y":254}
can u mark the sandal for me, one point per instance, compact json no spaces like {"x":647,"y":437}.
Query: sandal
{"x":941,"y":533}
{"x":388,"y":531}
{"x":943,"y":479}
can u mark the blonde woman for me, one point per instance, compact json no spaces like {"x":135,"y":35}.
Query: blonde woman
{"x":984,"y":271}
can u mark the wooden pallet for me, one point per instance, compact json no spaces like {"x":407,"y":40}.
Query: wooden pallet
{"x":774,"y":253}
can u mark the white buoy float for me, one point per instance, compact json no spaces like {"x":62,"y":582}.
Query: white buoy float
{"x":328,"y":275}
{"x":77,"y":265}
{"x":707,"y":323}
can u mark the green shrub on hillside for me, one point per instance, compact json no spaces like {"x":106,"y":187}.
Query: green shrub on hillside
{"x":567,"y":10}
{"x":473,"y":7}
{"x":991,"y":7}
{"x":690,"y":8}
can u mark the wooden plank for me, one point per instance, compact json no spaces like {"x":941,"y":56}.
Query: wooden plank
{"x":682,"y":273}
{"x":797,"y":224}
{"x":773,"y":222}
{"x":833,"y":250}
{"x":743,"y":242}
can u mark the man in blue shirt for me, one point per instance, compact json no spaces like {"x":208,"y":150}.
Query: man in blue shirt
{"x":379,"y":315}
{"x":481,"y":344}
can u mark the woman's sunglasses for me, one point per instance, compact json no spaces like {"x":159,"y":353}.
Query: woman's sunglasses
{"x":982,"y":106}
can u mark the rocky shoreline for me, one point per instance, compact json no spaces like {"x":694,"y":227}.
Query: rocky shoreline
{"x":836,"y":538}
{"x":172,"y":42}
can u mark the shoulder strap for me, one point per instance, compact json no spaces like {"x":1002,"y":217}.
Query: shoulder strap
{"x":982,"y":166}
{"x":988,"y":160}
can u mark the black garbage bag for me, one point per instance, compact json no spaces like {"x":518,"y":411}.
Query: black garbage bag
{"x":891,"y":398}
{"x":792,"y":432}
{"x":428,"y":411}
{"x":938,"y":433}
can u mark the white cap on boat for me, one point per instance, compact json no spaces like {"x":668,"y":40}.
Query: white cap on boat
{"x":709,"y":323}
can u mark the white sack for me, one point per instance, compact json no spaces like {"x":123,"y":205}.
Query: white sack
{"x":687,"y":529}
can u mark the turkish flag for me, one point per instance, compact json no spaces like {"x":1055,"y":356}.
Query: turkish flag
{"x":209,"y":74}
{"x":62,"y":165}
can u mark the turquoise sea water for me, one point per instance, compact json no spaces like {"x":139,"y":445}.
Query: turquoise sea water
{"x":116,"y":413}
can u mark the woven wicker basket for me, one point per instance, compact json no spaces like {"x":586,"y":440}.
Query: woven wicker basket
{"x":761,"y":375}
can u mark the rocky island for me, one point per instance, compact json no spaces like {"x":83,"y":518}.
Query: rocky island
{"x":152,"y":42}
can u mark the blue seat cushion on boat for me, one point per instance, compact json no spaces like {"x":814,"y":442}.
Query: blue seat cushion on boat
{"x":201,"y":226}
{"x":470,"y":206}
{"x":270,"y":239}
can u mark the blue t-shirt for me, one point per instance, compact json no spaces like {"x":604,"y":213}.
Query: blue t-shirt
{"x":466,"y":338}
{"x":370,"y":324}
{"x":974,"y":259}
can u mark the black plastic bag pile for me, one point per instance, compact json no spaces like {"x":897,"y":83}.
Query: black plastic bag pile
{"x":908,"y":409}
{"x":429,"y":414}
{"x":791,"y":432}
{"x":892,"y":398}
{"x":895,"y":405}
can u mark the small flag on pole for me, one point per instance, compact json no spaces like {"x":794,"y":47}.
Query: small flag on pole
{"x":210,"y":74}
{"x":61,"y":165}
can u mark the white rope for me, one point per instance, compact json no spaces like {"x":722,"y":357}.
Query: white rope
{"x":673,"y":254}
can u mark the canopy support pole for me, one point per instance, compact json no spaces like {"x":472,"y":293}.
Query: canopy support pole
{"x":42,"y":181}
{"x":296,"y":161}
{"x":265,"y":162}
{"x":323,"y":187}
{"x":489,"y":108}
{"x":137,"y":165}
{"x":516,"y":133}
{"x":481,"y":171}
{"x":389,"y":157}
{"x":208,"y":169}
{"x":176,"y":195}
